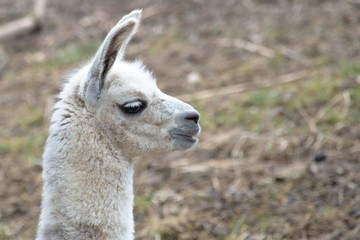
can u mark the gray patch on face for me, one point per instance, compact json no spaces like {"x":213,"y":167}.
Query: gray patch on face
{"x":187,"y":123}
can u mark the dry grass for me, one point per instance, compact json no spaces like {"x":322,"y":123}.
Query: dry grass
{"x":280,"y":162}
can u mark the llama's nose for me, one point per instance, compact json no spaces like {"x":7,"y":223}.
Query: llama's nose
{"x":192,"y":116}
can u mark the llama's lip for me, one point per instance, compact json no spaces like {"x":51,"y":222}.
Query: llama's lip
{"x":184,"y":137}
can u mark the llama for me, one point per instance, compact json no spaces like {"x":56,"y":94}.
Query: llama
{"x":108,"y":112}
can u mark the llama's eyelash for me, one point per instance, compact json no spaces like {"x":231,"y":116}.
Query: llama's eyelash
{"x":134,"y":107}
{"x":133,"y":104}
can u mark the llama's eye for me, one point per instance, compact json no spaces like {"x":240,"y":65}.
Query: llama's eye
{"x":133,"y":107}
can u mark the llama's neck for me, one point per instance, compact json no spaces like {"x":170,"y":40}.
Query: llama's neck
{"x":88,"y":187}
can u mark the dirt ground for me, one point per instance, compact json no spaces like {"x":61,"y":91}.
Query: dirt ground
{"x":274,"y":162}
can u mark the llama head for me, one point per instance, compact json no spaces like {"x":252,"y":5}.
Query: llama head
{"x":126,"y":103}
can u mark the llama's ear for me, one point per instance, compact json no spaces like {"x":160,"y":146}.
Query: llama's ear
{"x":113,"y":47}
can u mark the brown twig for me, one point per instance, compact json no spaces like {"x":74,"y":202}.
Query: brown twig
{"x":343,"y":96}
{"x":244,"y":87}
{"x":249,"y":46}
{"x":25,"y":24}
{"x":347,"y":102}
{"x":313,"y":138}
{"x":320,"y":114}
{"x":16,"y":27}
{"x":39,"y":11}
{"x":293,"y":55}
{"x":307,"y":118}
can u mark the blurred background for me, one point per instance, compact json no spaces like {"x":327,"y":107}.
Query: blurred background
{"x":276,"y":83}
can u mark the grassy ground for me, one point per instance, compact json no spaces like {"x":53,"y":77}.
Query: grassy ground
{"x":273,"y":163}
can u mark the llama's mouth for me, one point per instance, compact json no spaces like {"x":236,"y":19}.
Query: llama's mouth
{"x":184,"y":140}
{"x":184,"y":137}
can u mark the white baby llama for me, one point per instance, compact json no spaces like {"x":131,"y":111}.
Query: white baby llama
{"x":108,"y":112}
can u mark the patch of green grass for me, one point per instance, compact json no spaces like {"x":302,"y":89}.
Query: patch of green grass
{"x":264,"y":221}
{"x":32,"y":119}
{"x":327,"y":212}
{"x":29,"y":135}
{"x":235,"y":230}
{"x":351,"y":69}
{"x":313,"y":92}
{"x":325,"y":60}
{"x":263,"y":98}
{"x":222,"y":118}
{"x":142,"y":203}
{"x":5,"y":147}
{"x":27,"y":147}
{"x":277,"y":34}
{"x":4,"y":233}
{"x":333,"y":117}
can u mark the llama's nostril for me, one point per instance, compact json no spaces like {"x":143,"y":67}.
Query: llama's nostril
{"x":193,"y":116}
